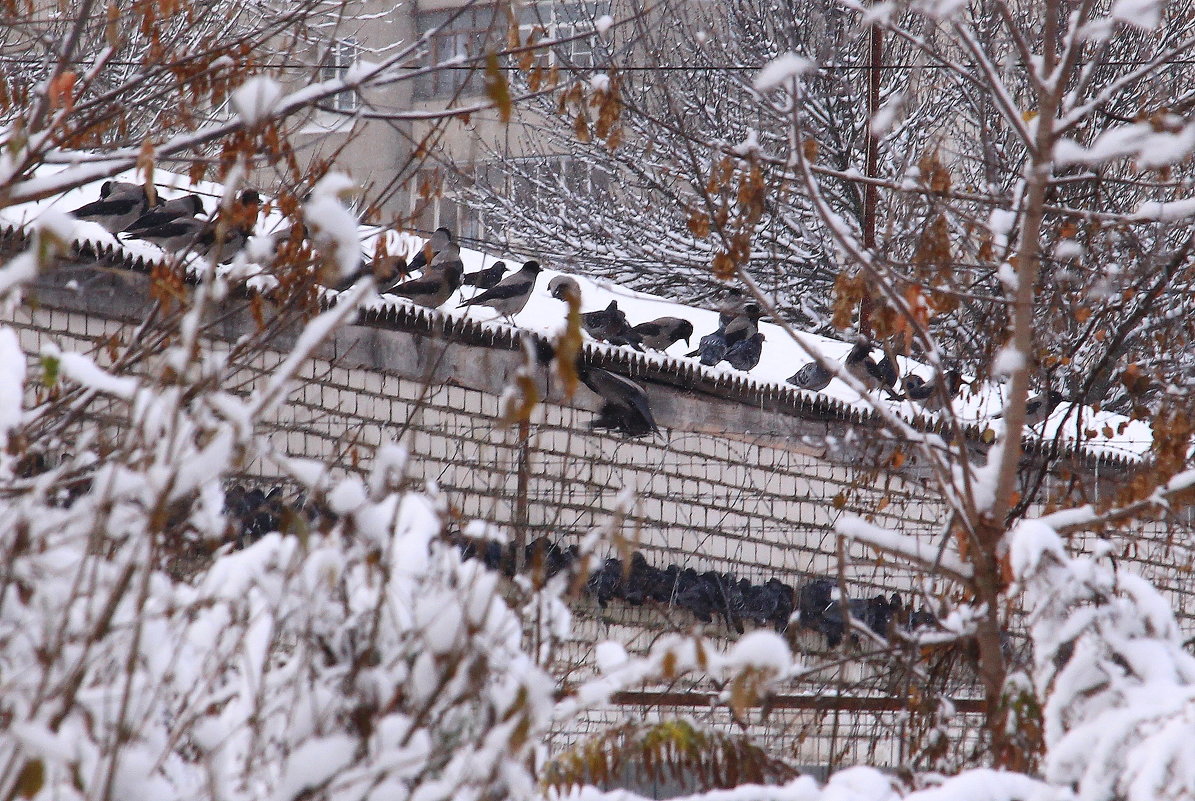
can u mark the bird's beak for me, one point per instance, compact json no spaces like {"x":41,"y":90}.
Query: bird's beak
{"x":688,"y":338}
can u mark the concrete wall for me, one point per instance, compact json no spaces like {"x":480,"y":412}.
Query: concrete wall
{"x":724,"y":486}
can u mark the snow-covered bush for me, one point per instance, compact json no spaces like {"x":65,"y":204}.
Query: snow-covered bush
{"x":354,"y":656}
{"x":1118,"y":689}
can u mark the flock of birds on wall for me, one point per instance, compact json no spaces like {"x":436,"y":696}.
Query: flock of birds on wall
{"x":814,"y":605}
{"x":179,"y":225}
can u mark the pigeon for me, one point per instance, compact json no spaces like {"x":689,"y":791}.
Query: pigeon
{"x":562,"y":286}
{"x":179,"y":207}
{"x":928,"y":394}
{"x":605,"y":583}
{"x":510,"y":295}
{"x":116,"y":211}
{"x":812,"y":376}
{"x":610,"y":325}
{"x":661,"y":333}
{"x":440,"y":279}
{"x":695,"y":595}
{"x":744,"y":354}
{"x":712,"y":348}
{"x":487,"y":278}
{"x":625,"y":407}
{"x":440,"y":240}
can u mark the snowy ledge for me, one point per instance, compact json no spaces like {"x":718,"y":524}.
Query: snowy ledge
{"x":767,"y":393}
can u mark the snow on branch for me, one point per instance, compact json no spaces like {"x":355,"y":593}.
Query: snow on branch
{"x":928,"y":556}
{"x":1117,"y":685}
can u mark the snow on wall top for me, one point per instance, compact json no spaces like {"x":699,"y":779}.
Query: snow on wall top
{"x":1071,"y":427}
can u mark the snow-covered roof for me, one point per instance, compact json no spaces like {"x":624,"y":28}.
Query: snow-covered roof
{"x":1103,"y":435}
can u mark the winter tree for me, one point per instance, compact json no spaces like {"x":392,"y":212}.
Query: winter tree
{"x":1025,"y":218}
{"x":353,"y":652}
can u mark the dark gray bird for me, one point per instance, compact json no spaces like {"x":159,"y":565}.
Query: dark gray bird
{"x":625,"y":407}
{"x":231,"y":242}
{"x":440,"y":240}
{"x":185,"y":206}
{"x":873,"y":376}
{"x":117,"y":210}
{"x":887,"y":373}
{"x":511,"y":293}
{"x":744,"y":354}
{"x":744,"y":325}
{"x":610,"y":325}
{"x":118,"y":188}
{"x":661,"y":333}
{"x":927,"y":393}
{"x":1039,"y":407}
{"x":730,"y":308}
{"x":387,"y":271}
{"x":562,"y":286}
{"x":712,"y":348}
{"x":180,"y":235}
{"x":487,"y":278}
{"x":439,"y":280}
{"x":812,"y":376}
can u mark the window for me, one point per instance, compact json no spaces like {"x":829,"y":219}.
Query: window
{"x":341,"y":55}
{"x":535,"y":183}
{"x":550,"y":20}
{"x":434,"y":202}
{"x":458,"y":33}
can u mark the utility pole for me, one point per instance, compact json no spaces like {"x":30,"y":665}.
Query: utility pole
{"x":871,"y":163}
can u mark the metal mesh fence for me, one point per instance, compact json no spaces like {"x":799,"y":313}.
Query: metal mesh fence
{"x":759,"y":506}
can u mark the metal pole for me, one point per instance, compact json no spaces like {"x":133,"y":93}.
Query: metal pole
{"x":871,"y":163}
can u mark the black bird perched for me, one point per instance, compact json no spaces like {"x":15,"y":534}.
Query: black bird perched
{"x":873,"y":376}
{"x":661,"y":333}
{"x":887,"y":374}
{"x":440,"y":240}
{"x":487,"y":278}
{"x":387,"y":271}
{"x":744,"y":354}
{"x":610,"y":325}
{"x":116,"y":210}
{"x":119,"y":188}
{"x":185,"y":206}
{"x":812,"y":376}
{"x":927,"y":393}
{"x":510,"y":295}
{"x":625,"y":407}
{"x":180,"y":235}
{"x":1039,"y":407}
{"x":439,"y":280}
